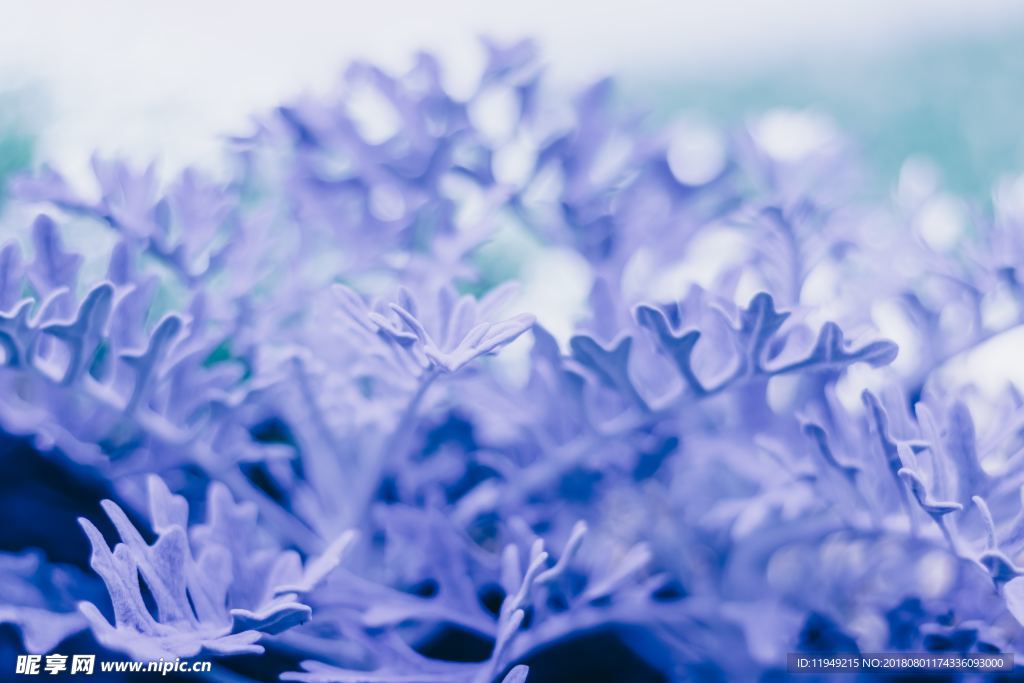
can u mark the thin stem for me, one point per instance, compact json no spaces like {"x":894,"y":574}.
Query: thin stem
{"x":393,"y":444}
{"x":290,"y":526}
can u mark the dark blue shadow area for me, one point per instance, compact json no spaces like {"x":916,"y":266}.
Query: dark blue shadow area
{"x":41,"y":498}
{"x":600,"y":656}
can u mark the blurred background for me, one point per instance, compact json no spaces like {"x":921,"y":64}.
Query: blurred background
{"x":929,"y":91}
{"x":941,"y":80}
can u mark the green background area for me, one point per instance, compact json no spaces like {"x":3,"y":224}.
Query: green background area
{"x":17,"y":138}
{"x":959,"y":102}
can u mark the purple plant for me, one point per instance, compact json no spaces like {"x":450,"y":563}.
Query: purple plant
{"x":326,"y":434}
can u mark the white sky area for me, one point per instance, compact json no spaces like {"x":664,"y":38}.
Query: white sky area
{"x":149,"y":79}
